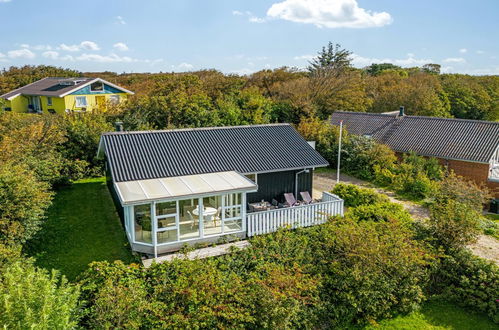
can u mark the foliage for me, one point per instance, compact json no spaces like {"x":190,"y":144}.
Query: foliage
{"x":354,"y":195}
{"x":453,"y":223}
{"x":469,"y":281}
{"x":33,"y":298}
{"x":330,"y":58}
{"x":361,"y":156}
{"x":23,"y":201}
{"x":83,"y":133}
{"x":378,"y":212}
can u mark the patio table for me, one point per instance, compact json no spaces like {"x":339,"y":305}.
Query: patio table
{"x":261,"y":206}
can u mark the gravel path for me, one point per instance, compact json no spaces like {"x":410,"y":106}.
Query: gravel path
{"x":486,"y":247}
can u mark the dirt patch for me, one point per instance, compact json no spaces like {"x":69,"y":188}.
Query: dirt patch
{"x":486,"y":247}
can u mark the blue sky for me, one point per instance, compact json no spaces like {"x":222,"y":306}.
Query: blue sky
{"x":246,"y":36}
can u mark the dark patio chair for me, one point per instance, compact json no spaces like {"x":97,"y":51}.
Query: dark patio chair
{"x":290,"y":199}
{"x":305,"y":195}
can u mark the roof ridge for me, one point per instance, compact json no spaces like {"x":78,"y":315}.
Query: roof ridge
{"x":424,"y":117}
{"x":195,"y":129}
{"x":18,"y":88}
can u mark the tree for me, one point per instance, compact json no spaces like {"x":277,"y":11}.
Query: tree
{"x":33,"y":298}
{"x":23,"y":201}
{"x":431,"y":68}
{"x":377,"y":68}
{"x":331,"y":59}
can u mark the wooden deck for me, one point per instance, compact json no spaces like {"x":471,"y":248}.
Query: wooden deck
{"x":211,"y":251}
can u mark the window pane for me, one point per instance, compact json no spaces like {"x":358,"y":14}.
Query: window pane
{"x":167,"y":222}
{"x":189,"y":218}
{"x":233,"y":225}
{"x":167,"y":236}
{"x":166,"y":208}
{"x":233,"y":199}
{"x":81,"y":101}
{"x":233,"y":212}
{"x":97,"y":87}
{"x":212,"y":215}
{"x":114,"y":99}
{"x":142,"y":216}
{"x":252,"y":177}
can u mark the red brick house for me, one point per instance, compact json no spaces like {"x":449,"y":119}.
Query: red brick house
{"x":469,"y":147}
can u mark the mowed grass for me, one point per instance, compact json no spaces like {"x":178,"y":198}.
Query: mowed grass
{"x":82,"y":226}
{"x":438,"y":315}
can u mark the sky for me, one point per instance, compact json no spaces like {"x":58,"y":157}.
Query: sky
{"x":244,"y":36}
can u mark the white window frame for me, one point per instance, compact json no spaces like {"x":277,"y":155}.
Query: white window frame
{"x":114,"y":99}
{"x":494,"y":167}
{"x":78,"y":101}
{"x":49,"y":100}
{"x":93,"y":90}
{"x":256,"y":177}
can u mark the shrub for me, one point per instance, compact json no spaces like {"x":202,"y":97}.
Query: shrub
{"x":23,"y":201}
{"x":454,"y":224}
{"x":355,"y":196}
{"x":370,"y":270}
{"x":469,"y":281}
{"x":32,"y":298}
{"x":379,"y":212}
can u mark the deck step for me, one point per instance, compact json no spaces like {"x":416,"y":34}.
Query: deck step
{"x":207,"y":252}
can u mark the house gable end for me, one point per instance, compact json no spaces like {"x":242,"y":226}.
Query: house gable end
{"x":107,"y":89}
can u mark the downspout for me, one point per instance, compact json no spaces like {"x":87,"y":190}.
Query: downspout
{"x":305,"y":170}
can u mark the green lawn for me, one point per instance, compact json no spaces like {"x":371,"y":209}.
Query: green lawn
{"x":494,"y":217}
{"x":438,"y":315}
{"x":82,"y":226}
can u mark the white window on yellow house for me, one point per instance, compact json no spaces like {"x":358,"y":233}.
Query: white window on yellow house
{"x":97,"y":87}
{"x":81,"y":101}
{"x":114,"y":99}
{"x":49,"y":100}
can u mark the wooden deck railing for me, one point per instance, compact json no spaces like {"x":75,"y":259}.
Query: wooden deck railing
{"x":265,"y":222}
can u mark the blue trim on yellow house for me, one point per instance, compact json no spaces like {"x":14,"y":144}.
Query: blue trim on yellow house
{"x":106,"y":90}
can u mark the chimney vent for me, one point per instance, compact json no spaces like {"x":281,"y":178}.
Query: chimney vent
{"x":401,"y":111}
{"x":118,"y":126}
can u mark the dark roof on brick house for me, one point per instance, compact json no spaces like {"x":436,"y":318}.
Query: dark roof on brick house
{"x":448,"y":138}
{"x":171,"y":153}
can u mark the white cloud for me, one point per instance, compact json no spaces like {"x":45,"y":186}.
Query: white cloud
{"x":463,"y":50}
{"x":303,"y":57}
{"x":328,"y":13}
{"x":111,"y":58}
{"x":185,"y":66}
{"x":454,"y":60}
{"x":254,"y":19}
{"x":84,"y":45}
{"x":120,"y":20}
{"x":121,"y":46}
{"x":237,"y":13}
{"x":21,"y":53}
{"x":4,"y":1}
{"x":36,"y":47}
{"x":361,"y":61}
{"x":3,"y":58}
{"x":480,"y":52}
{"x":53,"y":55}
{"x":243,"y":71}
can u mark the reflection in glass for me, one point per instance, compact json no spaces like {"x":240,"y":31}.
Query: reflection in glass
{"x":212,"y":215}
{"x":189,"y":218}
{"x":167,"y":236}
{"x":142,"y":216}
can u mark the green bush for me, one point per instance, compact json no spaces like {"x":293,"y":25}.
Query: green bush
{"x":469,"y":281}
{"x":23,"y":202}
{"x":454,"y":224}
{"x":32,"y":298}
{"x":378,"y":212}
{"x":354,"y":195}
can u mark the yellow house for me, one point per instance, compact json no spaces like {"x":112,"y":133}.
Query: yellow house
{"x":64,"y":95}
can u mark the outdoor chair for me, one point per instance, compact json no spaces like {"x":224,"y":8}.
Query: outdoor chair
{"x":290,"y":199}
{"x":305,"y":195}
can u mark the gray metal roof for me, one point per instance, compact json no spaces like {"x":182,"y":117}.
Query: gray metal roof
{"x":55,"y":87}
{"x":461,"y":139}
{"x":171,"y":153}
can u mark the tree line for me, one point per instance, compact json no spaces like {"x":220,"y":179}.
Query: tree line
{"x":330,"y":83}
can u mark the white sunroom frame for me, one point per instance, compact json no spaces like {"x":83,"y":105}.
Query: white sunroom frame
{"x":129,"y":219}
{"x":494,"y":166}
